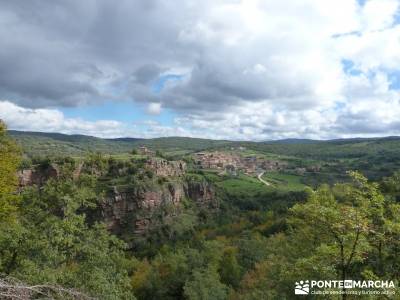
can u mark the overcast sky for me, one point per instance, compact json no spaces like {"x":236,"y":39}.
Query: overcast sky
{"x":248,"y":70}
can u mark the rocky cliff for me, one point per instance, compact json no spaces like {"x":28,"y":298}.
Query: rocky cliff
{"x":134,"y":207}
{"x":163,"y":167}
{"x":37,"y":176}
{"x":200,"y":191}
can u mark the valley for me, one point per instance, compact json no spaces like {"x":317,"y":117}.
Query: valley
{"x":200,"y":150}
{"x":169,"y":213}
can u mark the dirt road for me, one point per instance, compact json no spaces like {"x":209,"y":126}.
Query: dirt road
{"x":262,"y":180}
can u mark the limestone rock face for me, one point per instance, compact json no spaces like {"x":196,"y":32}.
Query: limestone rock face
{"x":200,"y":191}
{"x":135,"y":207}
{"x":28,"y":177}
{"x":165,"y":168}
{"x":25,"y":177}
{"x":120,"y":206}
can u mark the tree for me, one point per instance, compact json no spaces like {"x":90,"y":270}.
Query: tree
{"x":54,"y":244}
{"x":10,"y":227}
{"x":391,"y":185}
{"x":160,"y":154}
{"x":345,"y":231}
{"x":335,"y":233}
{"x":338,"y":230}
{"x":9,"y":161}
{"x":95,"y":163}
{"x":67,"y":250}
{"x":262,"y":282}
{"x":229,"y":269}
{"x":205,"y":284}
{"x":251,"y":249}
{"x":341,"y":227}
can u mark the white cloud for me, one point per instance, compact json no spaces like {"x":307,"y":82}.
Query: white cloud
{"x":52,"y":120}
{"x":252,"y":69}
{"x":379,"y":14}
{"x":154,"y":108}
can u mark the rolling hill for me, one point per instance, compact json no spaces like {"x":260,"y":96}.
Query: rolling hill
{"x":50,"y":144}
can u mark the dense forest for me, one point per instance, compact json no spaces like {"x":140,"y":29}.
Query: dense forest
{"x":239,"y":244}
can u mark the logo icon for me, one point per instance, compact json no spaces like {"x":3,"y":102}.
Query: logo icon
{"x":302,"y":287}
{"x":348,"y":284}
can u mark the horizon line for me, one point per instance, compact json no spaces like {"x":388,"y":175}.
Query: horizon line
{"x":189,"y":137}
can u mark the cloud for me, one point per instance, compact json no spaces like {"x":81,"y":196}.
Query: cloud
{"x":51,"y":120}
{"x":379,"y":14}
{"x":247,"y":69}
{"x":154,"y":108}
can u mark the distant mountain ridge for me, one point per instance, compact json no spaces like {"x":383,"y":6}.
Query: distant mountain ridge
{"x":43,"y":143}
{"x":293,"y":141}
{"x":51,"y":144}
{"x":339,"y":140}
{"x":53,"y":135}
{"x":77,"y":137}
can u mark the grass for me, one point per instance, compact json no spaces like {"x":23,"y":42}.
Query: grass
{"x":282,"y":181}
{"x":243,"y":186}
{"x":127,"y":156}
{"x":251,"y":186}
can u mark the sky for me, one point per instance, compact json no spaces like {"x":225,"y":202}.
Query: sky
{"x":220,"y":69}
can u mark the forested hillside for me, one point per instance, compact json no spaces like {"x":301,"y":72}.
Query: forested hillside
{"x":53,"y":144}
{"x":155,"y":226}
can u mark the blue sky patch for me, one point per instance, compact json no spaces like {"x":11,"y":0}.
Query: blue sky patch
{"x":361,"y":2}
{"x":394,"y":78}
{"x":159,"y":85}
{"x":349,"y":68}
{"x":122,"y":111}
{"x":125,"y":111}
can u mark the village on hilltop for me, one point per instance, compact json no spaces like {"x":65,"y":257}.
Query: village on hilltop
{"x":232,"y":163}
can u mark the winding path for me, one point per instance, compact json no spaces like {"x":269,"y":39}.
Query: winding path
{"x":262,"y":180}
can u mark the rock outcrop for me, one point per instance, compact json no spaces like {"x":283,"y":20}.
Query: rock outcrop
{"x":200,"y":191}
{"x":165,"y":168}
{"x":133,"y":205}
{"x":134,"y":208}
{"x":136,"y":205}
{"x":37,"y":176}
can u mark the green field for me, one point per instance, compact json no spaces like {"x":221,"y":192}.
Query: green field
{"x":243,"y":184}
{"x":284,"y":181}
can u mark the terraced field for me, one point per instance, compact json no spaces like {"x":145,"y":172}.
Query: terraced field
{"x":284,"y":181}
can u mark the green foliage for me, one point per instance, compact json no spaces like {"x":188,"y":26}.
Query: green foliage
{"x":230,"y":270}
{"x":9,"y":162}
{"x":205,"y":285}
{"x":159,"y":154}
{"x":169,"y":225}
{"x":285,"y":182}
{"x":26,"y":163}
{"x":56,"y":245}
{"x":149,"y":174}
{"x":342,"y":232}
{"x":50,"y":144}
{"x":391,"y":185}
{"x":95,"y":163}
{"x":254,"y":244}
{"x":46,"y":237}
